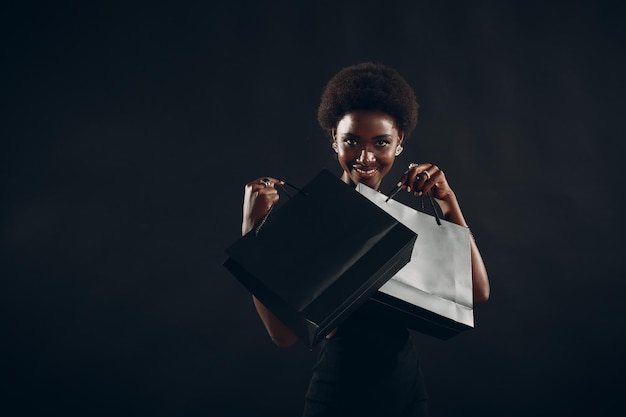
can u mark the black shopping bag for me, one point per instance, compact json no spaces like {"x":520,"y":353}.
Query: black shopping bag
{"x":433,"y":292}
{"x":320,"y":255}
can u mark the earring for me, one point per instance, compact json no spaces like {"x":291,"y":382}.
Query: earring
{"x":399,"y":150}
{"x":334,"y":145}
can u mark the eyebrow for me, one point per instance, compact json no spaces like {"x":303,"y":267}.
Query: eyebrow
{"x":384,"y":136}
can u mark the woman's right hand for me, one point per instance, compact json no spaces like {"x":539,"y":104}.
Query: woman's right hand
{"x":260,"y":195}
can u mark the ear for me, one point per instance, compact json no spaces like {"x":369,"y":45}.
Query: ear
{"x":333,"y":132}
{"x":399,"y":148}
{"x":334,"y":142}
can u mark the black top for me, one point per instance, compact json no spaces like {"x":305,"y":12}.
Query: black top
{"x":368,"y":368}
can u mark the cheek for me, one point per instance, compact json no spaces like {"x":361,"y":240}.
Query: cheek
{"x":387,"y":157}
{"x":347,"y":155}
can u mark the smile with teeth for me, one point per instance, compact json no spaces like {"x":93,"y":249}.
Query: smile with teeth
{"x":365,"y":171}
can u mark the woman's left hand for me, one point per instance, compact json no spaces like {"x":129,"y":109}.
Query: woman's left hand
{"x":426,"y":178}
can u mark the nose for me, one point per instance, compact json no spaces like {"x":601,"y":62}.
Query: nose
{"x":366,"y":157}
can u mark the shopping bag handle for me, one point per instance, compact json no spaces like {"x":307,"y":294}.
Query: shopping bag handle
{"x":397,"y":189}
{"x":282,"y":186}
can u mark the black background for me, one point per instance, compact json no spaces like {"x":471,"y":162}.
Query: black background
{"x":129,"y":131}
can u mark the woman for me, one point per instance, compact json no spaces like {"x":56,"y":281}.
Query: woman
{"x":368,"y":365}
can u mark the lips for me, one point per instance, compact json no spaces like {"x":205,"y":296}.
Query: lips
{"x":365,"y":172}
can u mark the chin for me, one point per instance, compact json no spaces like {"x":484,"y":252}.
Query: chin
{"x":372,"y":182}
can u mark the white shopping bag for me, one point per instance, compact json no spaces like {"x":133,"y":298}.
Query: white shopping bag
{"x":433,"y":292}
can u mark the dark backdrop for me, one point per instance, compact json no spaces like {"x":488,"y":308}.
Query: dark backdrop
{"x":128,"y":132}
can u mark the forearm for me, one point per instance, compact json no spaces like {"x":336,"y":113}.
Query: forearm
{"x":259,"y":197}
{"x":280,"y":334}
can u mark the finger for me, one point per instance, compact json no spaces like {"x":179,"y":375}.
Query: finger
{"x":433,"y":182}
{"x":269,"y":193}
{"x":402,"y":183}
{"x":270,"y":182}
{"x":423,"y":173}
{"x":261,"y":202}
{"x":262,"y":191}
{"x":408,"y":179}
{"x":265,"y":182}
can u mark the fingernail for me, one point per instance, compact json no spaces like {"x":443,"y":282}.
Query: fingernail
{"x":399,"y":184}
{"x":408,"y":188}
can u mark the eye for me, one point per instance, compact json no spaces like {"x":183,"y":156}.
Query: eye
{"x":349,"y":141}
{"x":382,"y":143}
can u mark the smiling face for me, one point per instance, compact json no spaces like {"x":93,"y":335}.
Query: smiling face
{"x":366,"y":146}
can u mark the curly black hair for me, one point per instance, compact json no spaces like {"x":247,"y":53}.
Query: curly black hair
{"x":368,"y":86}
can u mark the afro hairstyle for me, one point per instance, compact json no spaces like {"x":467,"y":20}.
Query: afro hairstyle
{"x":368,"y":86}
